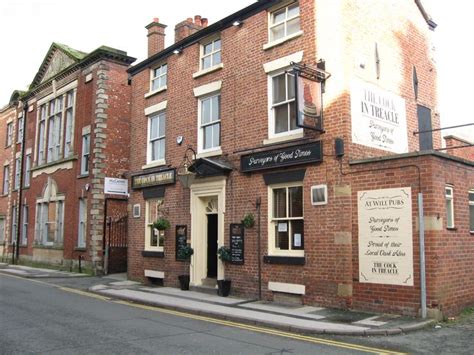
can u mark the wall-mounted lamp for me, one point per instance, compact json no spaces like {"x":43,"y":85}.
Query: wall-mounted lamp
{"x":178,"y":51}
{"x":237,"y":23}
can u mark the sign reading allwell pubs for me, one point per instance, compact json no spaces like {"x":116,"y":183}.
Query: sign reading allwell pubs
{"x":385,"y":236}
{"x":378,"y":118}
{"x":294,"y":155}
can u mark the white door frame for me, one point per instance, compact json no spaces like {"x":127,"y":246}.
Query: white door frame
{"x":199,"y":191}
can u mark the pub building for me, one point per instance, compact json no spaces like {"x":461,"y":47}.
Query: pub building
{"x":289,"y":133}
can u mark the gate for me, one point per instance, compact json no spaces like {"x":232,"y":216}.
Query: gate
{"x":115,"y":236}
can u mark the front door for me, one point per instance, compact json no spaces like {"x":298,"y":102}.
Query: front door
{"x":212,"y":246}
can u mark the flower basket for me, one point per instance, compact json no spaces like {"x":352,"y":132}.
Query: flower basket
{"x":249,"y":220}
{"x":224,"y":254}
{"x":161,"y":224}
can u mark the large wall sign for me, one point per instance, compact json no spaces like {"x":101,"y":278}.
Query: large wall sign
{"x":385,"y":236}
{"x":237,"y":243}
{"x":378,"y":118}
{"x":157,"y":178}
{"x":300,"y":154}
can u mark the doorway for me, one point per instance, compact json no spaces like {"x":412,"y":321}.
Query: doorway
{"x":212,"y":246}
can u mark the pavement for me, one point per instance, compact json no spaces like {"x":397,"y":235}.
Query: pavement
{"x":294,"y":318}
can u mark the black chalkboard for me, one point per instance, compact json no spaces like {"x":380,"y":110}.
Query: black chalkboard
{"x":237,"y":243}
{"x":181,"y":239}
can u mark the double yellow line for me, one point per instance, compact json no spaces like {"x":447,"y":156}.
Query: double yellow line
{"x":252,"y":328}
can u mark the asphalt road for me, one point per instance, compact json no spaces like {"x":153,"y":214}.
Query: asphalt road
{"x":40,"y":317}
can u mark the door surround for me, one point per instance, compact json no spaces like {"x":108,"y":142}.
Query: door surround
{"x":200,"y":192}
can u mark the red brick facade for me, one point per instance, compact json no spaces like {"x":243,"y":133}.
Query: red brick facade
{"x":387,"y":46}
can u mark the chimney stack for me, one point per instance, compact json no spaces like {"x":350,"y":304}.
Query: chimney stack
{"x":156,"y":37}
{"x":188,"y":27}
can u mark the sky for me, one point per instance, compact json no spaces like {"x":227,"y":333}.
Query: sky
{"x":28,"y":27}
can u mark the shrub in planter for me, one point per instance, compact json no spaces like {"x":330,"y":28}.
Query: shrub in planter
{"x":224,"y":254}
{"x":161,"y":224}
{"x":249,"y":220}
{"x":185,"y":254}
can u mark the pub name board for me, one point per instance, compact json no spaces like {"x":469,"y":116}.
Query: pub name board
{"x":154,"y":179}
{"x":300,"y":154}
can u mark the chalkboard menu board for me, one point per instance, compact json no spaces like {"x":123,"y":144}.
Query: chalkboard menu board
{"x":237,"y":243}
{"x":181,"y":239}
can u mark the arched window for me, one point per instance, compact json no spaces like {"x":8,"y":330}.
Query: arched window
{"x":50,"y":216}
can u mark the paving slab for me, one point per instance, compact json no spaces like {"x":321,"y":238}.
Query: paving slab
{"x":301,"y":312}
{"x":198,"y":296}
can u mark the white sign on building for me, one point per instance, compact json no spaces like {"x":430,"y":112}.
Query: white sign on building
{"x":385,"y":236}
{"x":116,"y":186}
{"x":378,"y":118}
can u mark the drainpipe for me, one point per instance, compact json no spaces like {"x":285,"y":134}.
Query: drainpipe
{"x":20,"y":188}
{"x":422,"y":256}
{"x":259,"y":237}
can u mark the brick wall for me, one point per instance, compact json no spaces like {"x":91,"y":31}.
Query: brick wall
{"x":464,"y":153}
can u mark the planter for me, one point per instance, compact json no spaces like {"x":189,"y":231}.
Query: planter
{"x":223,"y":287}
{"x":184,"y":282}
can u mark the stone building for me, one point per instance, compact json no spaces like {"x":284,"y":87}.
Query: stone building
{"x":70,"y":132}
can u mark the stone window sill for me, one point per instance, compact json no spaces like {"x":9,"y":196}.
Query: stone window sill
{"x":80,"y":249}
{"x":452,"y":229}
{"x":284,"y":260}
{"x":154,"y":164}
{"x":208,"y":70}
{"x":153,"y":254}
{"x":53,"y":163}
{"x":157,"y":91}
{"x":209,"y":153}
{"x":82,"y":176}
{"x":281,"y":40}
{"x":54,"y":247}
{"x":284,"y":138}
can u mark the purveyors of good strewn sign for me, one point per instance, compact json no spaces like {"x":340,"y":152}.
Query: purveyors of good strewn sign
{"x":378,"y":118}
{"x":385,"y":236}
{"x":116,"y":186}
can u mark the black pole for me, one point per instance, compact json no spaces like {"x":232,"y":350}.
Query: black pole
{"x":20,"y":188}
{"x":257,"y":204}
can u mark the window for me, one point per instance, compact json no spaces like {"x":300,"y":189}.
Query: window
{"x":471,"y":211}
{"x":210,"y":123}
{"x":20,"y":130}
{"x":319,"y":195}
{"x":156,"y":137}
{"x":159,"y":77}
{"x":282,"y":115}
{"x":81,"y":235}
{"x":6,"y":179}
{"x":14,"y":224}
{"x":49,"y":217}
{"x":54,"y":129}
{"x":24,"y":226}
{"x":286,"y":224}
{"x":69,"y":124}
{"x":284,"y":22}
{"x":27,"y":175}
{"x":211,"y":54}
{"x":86,"y":143}
{"x":154,"y":239}
{"x":449,"y":191}
{"x":17,"y":173}
{"x":9,"y":133}
{"x":55,"y":126}
{"x":2,"y":229}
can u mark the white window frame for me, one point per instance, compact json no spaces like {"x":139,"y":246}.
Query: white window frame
{"x":54,"y":123}
{"x":14,"y":223}
{"x":2,"y":229}
{"x":20,"y":129}
{"x":325,"y":192}
{"x":42,"y":221}
{"x":271,"y":25}
{"x":291,"y":133}
{"x":471,"y":211}
{"x":6,"y":179}
{"x":272,"y":249}
{"x":24,"y":225}
{"x":27,"y":180}
{"x":202,"y":56}
{"x":16,"y":185}
{"x":159,"y":78}
{"x":201,"y":127}
{"x":148,"y":223}
{"x":69,"y":118}
{"x":9,"y":141}
{"x":82,"y":223}
{"x":155,"y":115}
{"x":449,"y":205}
{"x":85,"y":155}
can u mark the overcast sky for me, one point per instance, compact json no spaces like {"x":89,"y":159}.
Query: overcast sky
{"x":28,"y":27}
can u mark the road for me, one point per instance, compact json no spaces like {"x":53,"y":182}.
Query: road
{"x":43,"y":317}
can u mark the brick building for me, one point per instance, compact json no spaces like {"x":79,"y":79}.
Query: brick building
{"x":70,"y":131}
{"x":336,"y":204}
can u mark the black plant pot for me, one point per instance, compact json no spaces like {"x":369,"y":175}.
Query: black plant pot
{"x":184,"y":282}
{"x":223,"y":287}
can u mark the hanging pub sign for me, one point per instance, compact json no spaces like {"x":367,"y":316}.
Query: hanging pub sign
{"x":294,"y":155}
{"x":156,"y":178}
{"x":236,"y":243}
{"x":309,"y":99}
